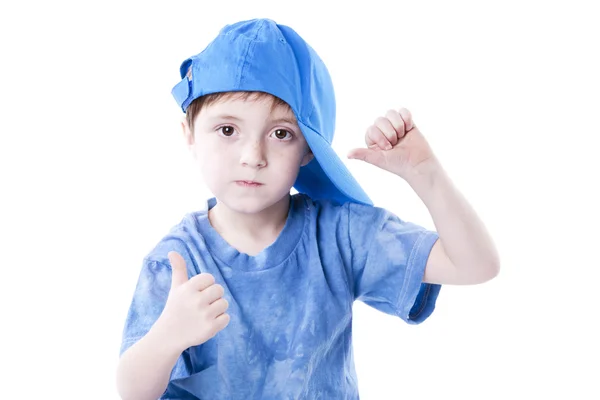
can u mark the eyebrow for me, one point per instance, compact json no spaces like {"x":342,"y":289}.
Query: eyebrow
{"x":223,"y":116}
{"x":291,"y":121}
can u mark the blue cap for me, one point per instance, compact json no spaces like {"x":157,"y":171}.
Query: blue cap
{"x":260,"y":55}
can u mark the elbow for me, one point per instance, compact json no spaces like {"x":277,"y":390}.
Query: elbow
{"x":489,"y":270}
{"x":494,"y":266}
{"x":493,"y":273}
{"x":478,"y":273}
{"x":495,"y":269}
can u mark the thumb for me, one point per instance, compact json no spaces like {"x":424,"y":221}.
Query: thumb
{"x":371,"y":156}
{"x":179,"y":274}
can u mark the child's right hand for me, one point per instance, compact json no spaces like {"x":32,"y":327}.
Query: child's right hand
{"x":195,"y":309}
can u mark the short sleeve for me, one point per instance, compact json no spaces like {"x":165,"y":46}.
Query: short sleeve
{"x":388,"y":263}
{"x":149,"y":299}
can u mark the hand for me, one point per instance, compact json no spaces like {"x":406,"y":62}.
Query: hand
{"x":395,"y":144}
{"x":195,"y":309}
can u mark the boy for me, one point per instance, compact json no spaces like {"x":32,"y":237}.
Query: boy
{"x":251,"y":298}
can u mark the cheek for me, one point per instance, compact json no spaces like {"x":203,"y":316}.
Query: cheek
{"x":288,"y":159}
{"x":299,"y":153}
{"x":209,"y":157}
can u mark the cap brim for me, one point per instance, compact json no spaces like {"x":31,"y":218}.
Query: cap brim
{"x":326,"y":176}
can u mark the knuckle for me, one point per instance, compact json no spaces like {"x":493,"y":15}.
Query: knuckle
{"x":394,"y":117}
{"x":406,"y":115}
{"x":375,"y":133}
{"x":381,"y":138}
{"x":205,"y":278}
{"x":219,"y":289}
{"x":380,"y":120}
{"x":390,"y":134}
{"x":213,"y":292}
{"x":225,"y":320}
{"x":369,"y":133}
{"x":386,"y":127}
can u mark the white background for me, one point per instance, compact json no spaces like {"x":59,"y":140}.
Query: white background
{"x":94,"y":172}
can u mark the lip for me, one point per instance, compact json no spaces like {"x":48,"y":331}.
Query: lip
{"x":249,"y":183}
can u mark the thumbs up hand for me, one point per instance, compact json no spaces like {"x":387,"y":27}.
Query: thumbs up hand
{"x":195,"y":309}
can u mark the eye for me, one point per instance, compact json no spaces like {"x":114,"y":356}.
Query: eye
{"x":282,"y":134}
{"x":227,"y":130}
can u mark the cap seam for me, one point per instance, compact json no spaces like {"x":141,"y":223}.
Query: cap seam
{"x":245,"y":59}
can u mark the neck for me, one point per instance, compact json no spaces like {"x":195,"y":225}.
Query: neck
{"x":262,"y":227}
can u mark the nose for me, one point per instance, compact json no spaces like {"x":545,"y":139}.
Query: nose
{"x":253,"y":155}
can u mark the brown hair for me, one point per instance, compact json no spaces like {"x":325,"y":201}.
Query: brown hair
{"x":198,"y":104}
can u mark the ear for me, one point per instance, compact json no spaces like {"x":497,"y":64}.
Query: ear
{"x":188,"y":135}
{"x":307,"y":158}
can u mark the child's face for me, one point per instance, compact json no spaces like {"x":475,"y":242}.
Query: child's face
{"x":249,"y":154}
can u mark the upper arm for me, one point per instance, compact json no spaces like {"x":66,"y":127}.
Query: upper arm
{"x":439,"y":269}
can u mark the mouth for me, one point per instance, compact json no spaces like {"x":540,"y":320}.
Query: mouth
{"x":249,"y":183}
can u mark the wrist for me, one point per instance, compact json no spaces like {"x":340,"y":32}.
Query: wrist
{"x":166,"y":338}
{"x":426,"y":177}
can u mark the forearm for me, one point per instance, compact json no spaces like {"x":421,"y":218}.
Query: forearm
{"x":463,"y":235}
{"x":145,"y":368}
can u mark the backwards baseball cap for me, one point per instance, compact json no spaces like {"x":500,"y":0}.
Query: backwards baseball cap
{"x":261,"y":55}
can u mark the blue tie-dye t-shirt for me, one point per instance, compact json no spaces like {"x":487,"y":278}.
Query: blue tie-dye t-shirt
{"x":290,"y":331}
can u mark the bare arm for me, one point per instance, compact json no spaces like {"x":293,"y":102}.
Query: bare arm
{"x":465,"y":253}
{"x":145,"y":368}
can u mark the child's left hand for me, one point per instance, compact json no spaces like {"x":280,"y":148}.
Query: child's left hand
{"x":395,"y":144}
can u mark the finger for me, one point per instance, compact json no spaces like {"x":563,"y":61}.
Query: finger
{"x":179,"y":274}
{"x":212,"y":293}
{"x":407,"y":118}
{"x":202,"y":281}
{"x":397,"y":122}
{"x":218,"y":307}
{"x":376,"y":138}
{"x":386,"y":127}
{"x":221,"y":322}
{"x":372,"y":156}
